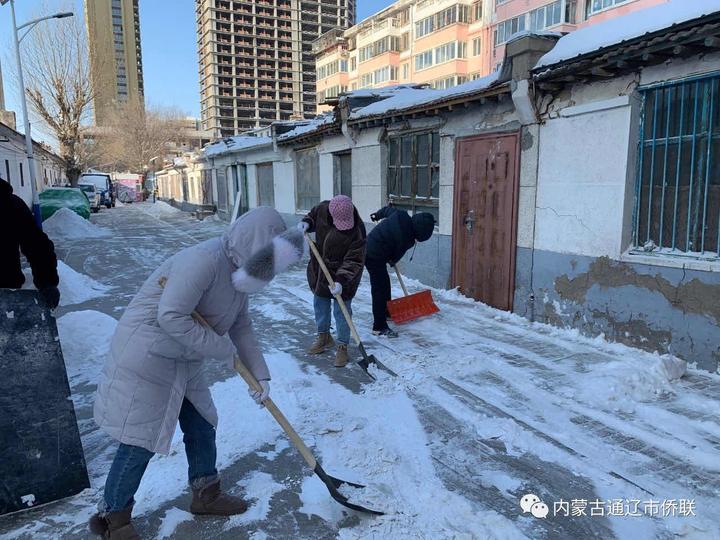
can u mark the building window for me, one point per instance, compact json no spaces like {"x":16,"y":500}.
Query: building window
{"x":406,"y":71}
{"x":307,"y":179}
{"x":546,"y":16}
{"x":353,"y":63}
{"x":477,"y":11}
{"x":439,"y":55}
{"x":677,"y":199}
{"x":413,"y":178}
{"x":476,"y":47}
{"x":506,"y":29}
{"x":7,"y":171}
{"x":446,"y":17}
{"x":22,"y":176}
{"x":381,"y":46}
{"x":595,"y":6}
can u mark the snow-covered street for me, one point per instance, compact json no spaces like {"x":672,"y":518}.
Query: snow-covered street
{"x":486,"y":409}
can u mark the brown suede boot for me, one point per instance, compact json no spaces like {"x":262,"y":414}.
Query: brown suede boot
{"x":114,"y":525}
{"x":210,"y":500}
{"x":341,"y":356}
{"x":322,"y":343}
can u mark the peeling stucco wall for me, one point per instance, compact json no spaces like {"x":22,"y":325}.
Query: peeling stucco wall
{"x":656,"y":308}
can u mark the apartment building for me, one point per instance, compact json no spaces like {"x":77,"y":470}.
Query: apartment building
{"x":255,"y":59}
{"x":113,"y":28}
{"x":439,"y":42}
{"x":514,"y":16}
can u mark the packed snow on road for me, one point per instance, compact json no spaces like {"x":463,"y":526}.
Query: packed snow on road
{"x":487,"y":410}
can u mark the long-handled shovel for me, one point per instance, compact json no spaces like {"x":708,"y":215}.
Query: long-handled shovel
{"x":330,"y":482}
{"x":410,"y":306}
{"x":367,"y":359}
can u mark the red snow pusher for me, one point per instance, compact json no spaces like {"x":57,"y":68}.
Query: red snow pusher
{"x":330,"y":482}
{"x":411,"y":306}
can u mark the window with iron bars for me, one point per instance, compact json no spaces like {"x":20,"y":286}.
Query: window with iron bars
{"x":413,"y":178}
{"x":677,"y":199}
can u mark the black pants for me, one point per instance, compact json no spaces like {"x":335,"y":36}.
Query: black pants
{"x":380,"y":289}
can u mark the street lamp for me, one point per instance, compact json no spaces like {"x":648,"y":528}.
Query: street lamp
{"x":28,"y":138}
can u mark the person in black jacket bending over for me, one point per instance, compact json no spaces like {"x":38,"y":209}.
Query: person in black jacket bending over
{"x":386,"y":244}
{"x":21,"y":233}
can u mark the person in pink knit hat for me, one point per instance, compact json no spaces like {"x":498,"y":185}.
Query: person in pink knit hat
{"x":340,"y":237}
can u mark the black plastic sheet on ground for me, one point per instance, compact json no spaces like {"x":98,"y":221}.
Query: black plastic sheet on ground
{"x":42,"y":456}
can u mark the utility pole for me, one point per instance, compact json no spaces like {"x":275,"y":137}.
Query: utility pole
{"x":28,"y":138}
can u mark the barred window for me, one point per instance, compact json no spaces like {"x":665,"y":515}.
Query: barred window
{"x":677,"y":199}
{"x":413,"y":179}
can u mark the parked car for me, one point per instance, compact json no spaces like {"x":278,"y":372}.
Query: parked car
{"x":93,"y":195}
{"x":104,"y":185}
{"x":53,"y":199}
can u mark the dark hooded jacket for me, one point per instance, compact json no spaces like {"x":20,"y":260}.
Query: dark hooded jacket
{"x":21,"y":233}
{"x":396,"y":233}
{"x":342,"y":251}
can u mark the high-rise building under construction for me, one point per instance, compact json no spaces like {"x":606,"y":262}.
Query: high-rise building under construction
{"x":256,"y":61}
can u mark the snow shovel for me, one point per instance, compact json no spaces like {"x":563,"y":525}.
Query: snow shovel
{"x":410,"y":306}
{"x":367,"y":359}
{"x":330,"y":482}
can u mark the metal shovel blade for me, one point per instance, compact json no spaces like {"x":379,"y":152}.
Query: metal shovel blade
{"x":333,"y":484}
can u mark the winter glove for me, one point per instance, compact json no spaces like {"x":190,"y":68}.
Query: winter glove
{"x":259,"y":397}
{"x":373,"y":217}
{"x":336,"y":289}
{"x":51,"y":296}
{"x":303,"y":226}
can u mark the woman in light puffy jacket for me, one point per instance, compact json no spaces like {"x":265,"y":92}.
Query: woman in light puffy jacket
{"x":153,"y":377}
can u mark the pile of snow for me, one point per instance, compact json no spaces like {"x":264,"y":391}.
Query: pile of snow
{"x":85,"y":339}
{"x":234,"y":144}
{"x":76,"y":288}
{"x":407,"y":98}
{"x":159,"y":208}
{"x":631,"y":26}
{"x":67,"y":224}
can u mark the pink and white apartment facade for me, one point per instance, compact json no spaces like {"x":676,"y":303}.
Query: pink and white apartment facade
{"x":443,"y":42}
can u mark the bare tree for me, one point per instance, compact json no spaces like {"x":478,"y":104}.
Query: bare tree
{"x":59,"y":86}
{"x":133,"y":135}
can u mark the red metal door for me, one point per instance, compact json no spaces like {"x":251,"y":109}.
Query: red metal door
{"x":485,"y":222}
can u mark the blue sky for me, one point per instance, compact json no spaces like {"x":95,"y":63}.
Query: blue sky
{"x":169,"y":47}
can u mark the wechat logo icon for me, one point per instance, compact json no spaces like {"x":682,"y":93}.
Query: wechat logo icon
{"x":532,"y":503}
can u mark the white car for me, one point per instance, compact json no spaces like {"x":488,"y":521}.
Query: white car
{"x":93,"y":195}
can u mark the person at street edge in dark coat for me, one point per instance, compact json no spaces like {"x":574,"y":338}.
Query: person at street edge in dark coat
{"x":341,"y":239}
{"x":386,"y":244}
{"x":20,"y":233}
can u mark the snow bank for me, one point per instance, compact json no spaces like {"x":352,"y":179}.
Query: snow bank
{"x":234,"y":144}
{"x":158,"y":208}
{"x":406,"y":98}
{"x":631,"y":26}
{"x":85,"y":339}
{"x":76,"y":288}
{"x":67,"y":224}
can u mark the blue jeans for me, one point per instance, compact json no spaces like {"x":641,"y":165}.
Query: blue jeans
{"x":130,"y":462}
{"x":322,"y":317}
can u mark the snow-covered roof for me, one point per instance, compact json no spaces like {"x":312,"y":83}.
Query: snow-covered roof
{"x":618,"y":30}
{"x":403,"y":97}
{"x":233,"y":144}
{"x":304,"y":129}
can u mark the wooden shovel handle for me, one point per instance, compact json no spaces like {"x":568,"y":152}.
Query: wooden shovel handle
{"x":253,"y":383}
{"x":400,"y":279}
{"x":330,"y":281}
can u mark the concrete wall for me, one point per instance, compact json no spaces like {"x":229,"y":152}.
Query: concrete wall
{"x":575,"y":267}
